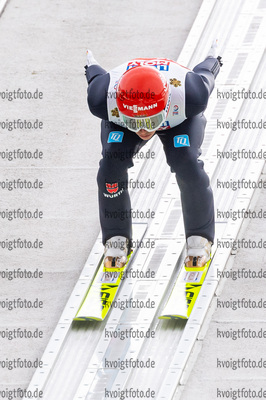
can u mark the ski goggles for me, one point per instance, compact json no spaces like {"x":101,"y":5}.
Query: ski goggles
{"x":149,"y":124}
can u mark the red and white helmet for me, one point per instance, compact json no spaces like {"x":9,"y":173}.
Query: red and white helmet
{"x":143,"y":98}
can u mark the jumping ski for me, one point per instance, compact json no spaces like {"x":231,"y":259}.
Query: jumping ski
{"x":185,"y":292}
{"x":105,"y":286}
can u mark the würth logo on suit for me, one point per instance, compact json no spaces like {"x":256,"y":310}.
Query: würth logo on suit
{"x":112,"y":187}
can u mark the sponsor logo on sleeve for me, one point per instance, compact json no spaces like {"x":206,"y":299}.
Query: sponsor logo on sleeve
{"x":112,"y":188}
{"x":181,"y":141}
{"x":115,"y":137}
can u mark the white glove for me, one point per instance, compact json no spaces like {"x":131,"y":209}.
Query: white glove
{"x":213,"y":50}
{"x":90,"y":59}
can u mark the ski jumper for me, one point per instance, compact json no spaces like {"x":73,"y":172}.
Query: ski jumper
{"x":181,"y":135}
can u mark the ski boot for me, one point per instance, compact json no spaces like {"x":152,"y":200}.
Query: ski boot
{"x":198,"y":251}
{"x":115,"y":252}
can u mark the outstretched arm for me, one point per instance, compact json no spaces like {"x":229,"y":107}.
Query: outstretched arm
{"x":200,"y":83}
{"x":98,"y":82}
